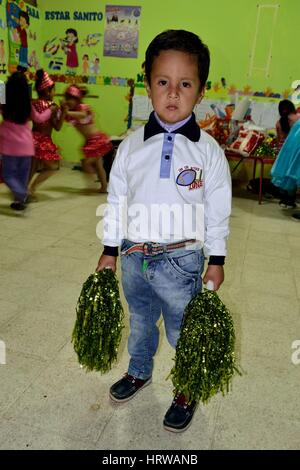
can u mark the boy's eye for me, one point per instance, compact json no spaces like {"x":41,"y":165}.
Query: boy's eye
{"x":186,"y":84}
{"x":162,"y":82}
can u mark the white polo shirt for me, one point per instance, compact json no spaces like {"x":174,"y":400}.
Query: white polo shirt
{"x":161,"y":183}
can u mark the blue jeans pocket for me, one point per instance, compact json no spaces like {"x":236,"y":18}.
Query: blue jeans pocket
{"x":188,"y":265}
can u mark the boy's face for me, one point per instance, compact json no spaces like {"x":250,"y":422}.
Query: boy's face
{"x":175,"y":85}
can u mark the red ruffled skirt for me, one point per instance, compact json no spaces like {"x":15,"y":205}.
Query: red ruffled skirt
{"x":97,"y":145}
{"x":45,"y":149}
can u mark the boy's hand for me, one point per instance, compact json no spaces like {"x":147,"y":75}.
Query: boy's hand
{"x":106,"y":261}
{"x":214,"y":273}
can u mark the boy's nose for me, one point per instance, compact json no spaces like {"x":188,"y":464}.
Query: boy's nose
{"x":173,"y":91}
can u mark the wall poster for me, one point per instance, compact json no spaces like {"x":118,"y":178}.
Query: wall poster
{"x":122,"y":24}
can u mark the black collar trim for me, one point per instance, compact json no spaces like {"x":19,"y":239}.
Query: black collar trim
{"x":190,"y":129}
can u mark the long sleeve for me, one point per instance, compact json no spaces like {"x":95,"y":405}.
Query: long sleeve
{"x":114,"y":223}
{"x":217,"y":205}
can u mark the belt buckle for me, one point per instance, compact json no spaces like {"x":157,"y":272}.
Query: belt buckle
{"x":147,"y":249}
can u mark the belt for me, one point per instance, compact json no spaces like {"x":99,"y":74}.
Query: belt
{"x":152,"y":249}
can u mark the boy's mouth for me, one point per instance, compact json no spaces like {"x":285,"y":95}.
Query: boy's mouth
{"x":172,"y":107}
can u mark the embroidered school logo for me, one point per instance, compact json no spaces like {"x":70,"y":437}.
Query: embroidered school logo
{"x":186,"y":177}
{"x":190,"y":176}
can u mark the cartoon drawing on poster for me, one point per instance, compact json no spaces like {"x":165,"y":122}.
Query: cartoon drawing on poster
{"x":2,"y":24}
{"x":91,"y":40}
{"x":85,"y":64}
{"x":68,"y":45}
{"x":32,"y":35}
{"x":50,"y":49}
{"x":56,"y":64}
{"x":95,"y":65}
{"x":2,"y":57}
{"x":2,"y":20}
{"x":33,"y":61}
{"x":22,"y":24}
{"x":2,"y":52}
{"x":121,"y":31}
{"x":17,"y":23}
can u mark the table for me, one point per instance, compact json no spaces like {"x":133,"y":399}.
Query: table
{"x":264,"y":160}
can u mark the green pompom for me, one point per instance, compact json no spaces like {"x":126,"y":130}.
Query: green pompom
{"x":204,"y":359}
{"x":97,"y":331}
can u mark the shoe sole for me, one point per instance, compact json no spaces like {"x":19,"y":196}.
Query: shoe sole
{"x":125,"y":400}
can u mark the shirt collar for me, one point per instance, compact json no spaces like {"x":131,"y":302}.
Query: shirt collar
{"x":172,"y":127}
{"x":190,"y":129}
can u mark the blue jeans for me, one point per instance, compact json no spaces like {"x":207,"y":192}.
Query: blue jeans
{"x":154,"y":285}
{"x":15,"y":173}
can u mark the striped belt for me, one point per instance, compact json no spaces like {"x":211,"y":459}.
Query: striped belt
{"x":152,"y":249}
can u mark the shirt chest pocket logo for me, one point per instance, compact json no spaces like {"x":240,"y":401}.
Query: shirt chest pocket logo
{"x":186,"y":177}
{"x":191,"y":177}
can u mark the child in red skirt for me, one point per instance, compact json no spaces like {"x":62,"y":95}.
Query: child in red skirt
{"x":97,"y":144}
{"x":46,"y":116}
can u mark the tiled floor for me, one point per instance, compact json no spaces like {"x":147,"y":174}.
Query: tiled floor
{"x":48,"y":402}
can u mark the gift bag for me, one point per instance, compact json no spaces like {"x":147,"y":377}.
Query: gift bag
{"x":205,"y":358}
{"x":99,"y":322}
{"x":246,"y":142}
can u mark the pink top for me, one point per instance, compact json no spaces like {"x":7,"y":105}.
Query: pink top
{"x":40,"y":116}
{"x":16,"y":139}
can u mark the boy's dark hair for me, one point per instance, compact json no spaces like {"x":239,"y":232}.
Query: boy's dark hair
{"x":179,"y":40}
{"x":285,"y":108}
{"x":25,"y":15}
{"x":17,"y":95}
{"x":72,"y":31}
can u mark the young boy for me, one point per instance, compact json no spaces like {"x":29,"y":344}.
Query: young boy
{"x":167,"y":168}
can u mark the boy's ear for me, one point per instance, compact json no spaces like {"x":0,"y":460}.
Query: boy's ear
{"x":147,"y":86}
{"x":200,"y":97}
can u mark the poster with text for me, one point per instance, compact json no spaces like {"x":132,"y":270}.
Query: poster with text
{"x":121,"y":34}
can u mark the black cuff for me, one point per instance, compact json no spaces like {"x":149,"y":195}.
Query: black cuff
{"x":111,"y":250}
{"x":217,"y":260}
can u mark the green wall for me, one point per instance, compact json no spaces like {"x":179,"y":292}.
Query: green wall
{"x":227,"y":26}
